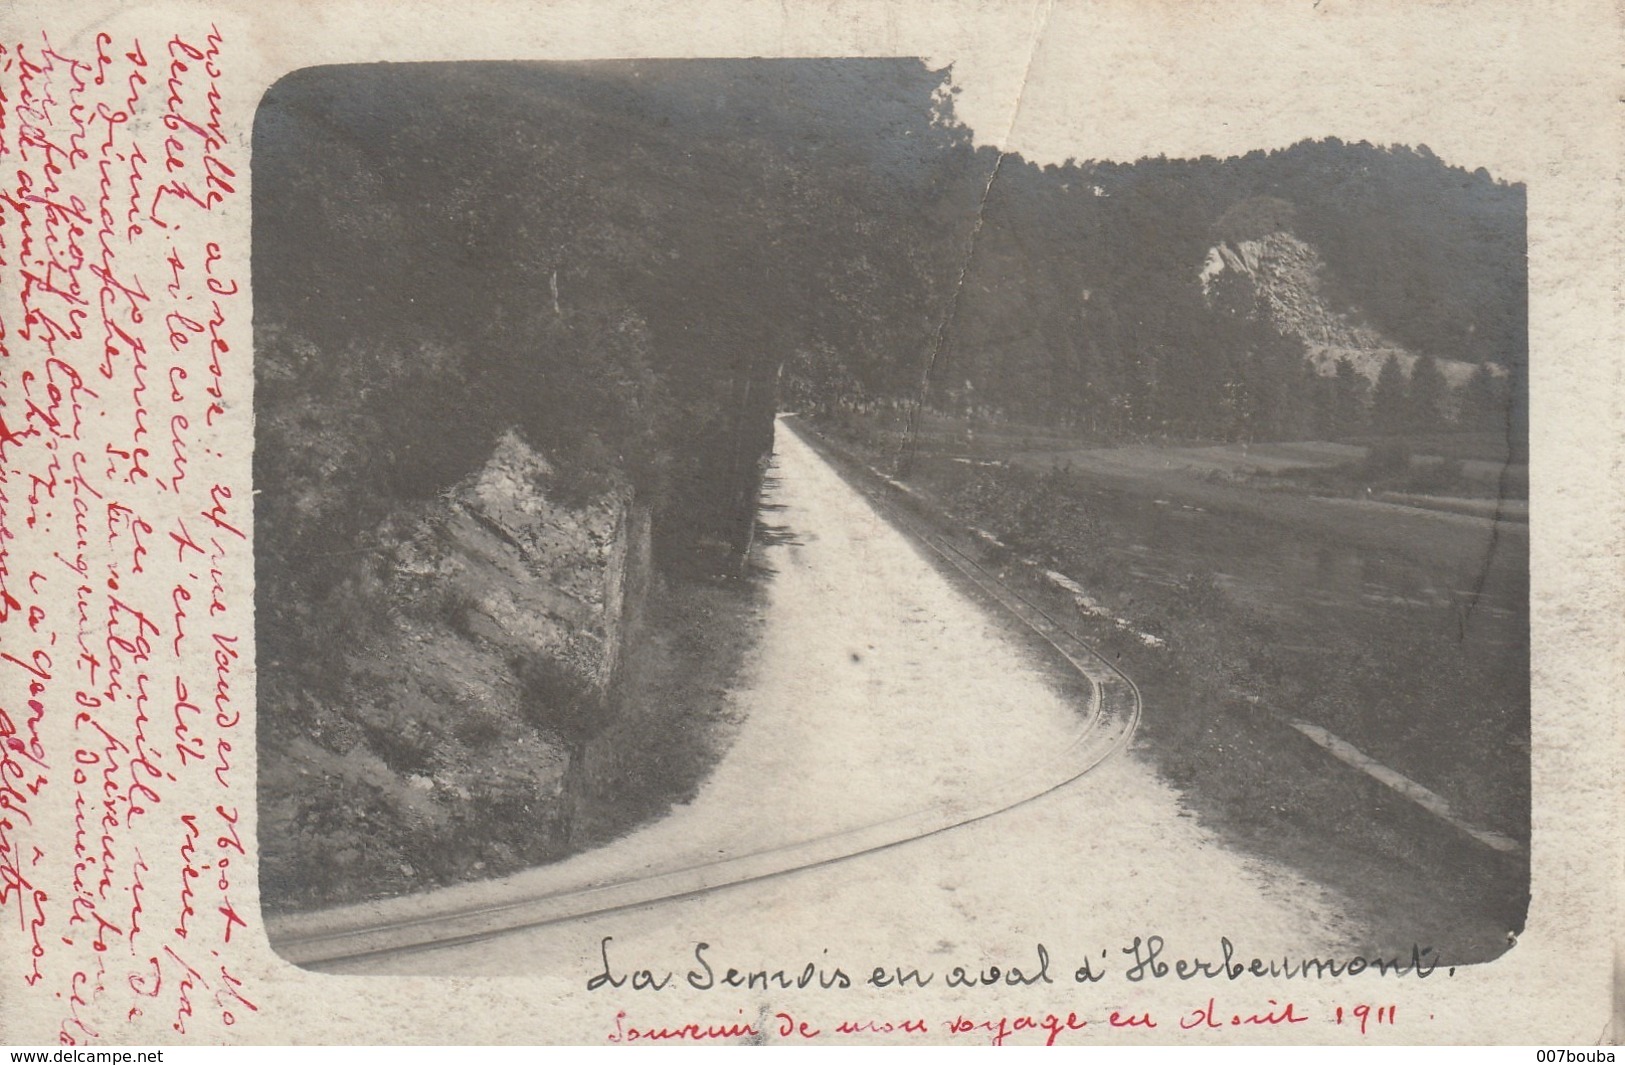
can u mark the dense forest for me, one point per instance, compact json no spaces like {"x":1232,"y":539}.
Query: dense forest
{"x":1101,"y":260}
{"x":1084,"y":304}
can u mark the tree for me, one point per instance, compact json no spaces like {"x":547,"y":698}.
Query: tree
{"x":1348,"y":394}
{"x":1388,"y":399}
{"x":1425,"y":397}
{"x":1485,"y":401}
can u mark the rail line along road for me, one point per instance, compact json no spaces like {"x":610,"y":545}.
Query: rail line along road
{"x":894,"y":725}
{"x":883,"y":490}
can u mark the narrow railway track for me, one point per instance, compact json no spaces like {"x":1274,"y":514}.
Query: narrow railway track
{"x":1114,"y":691}
{"x":1323,"y":738}
{"x":332,"y":939}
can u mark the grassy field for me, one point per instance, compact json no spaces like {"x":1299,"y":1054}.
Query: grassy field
{"x":1402,"y":630}
{"x":1474,"y":465}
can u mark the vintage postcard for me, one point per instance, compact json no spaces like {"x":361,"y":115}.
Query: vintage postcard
{"x":1054,"y":522}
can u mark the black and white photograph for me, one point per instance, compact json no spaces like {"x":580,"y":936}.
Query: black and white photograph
{"x":704,"y":493}
{"x":906,"y":523}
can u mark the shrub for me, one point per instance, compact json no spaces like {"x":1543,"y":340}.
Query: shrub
{"x":558,"y":698}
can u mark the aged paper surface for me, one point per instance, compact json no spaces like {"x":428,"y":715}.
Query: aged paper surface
{"x":130,"y":884}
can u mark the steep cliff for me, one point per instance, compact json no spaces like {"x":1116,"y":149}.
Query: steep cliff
{"x":1289,"y":283}
{"x":440,"y":738}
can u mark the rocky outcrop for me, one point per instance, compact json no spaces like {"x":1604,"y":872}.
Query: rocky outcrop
{"x":520,"y":574}
{"x":443,"y":744}
{"x":1288,"y":279}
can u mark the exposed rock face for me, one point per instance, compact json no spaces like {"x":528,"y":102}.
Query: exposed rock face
{"x":442,"y":746}
{"x":1288,"y":277}
{"x":524,"y":576}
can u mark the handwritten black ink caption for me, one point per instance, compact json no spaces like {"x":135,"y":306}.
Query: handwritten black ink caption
{"x":1144,"y":959}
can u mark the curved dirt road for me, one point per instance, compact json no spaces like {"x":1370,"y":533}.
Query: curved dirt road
{"x":879,"y":689}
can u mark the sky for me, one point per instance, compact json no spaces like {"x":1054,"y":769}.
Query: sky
{"x":1122,"y":79}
